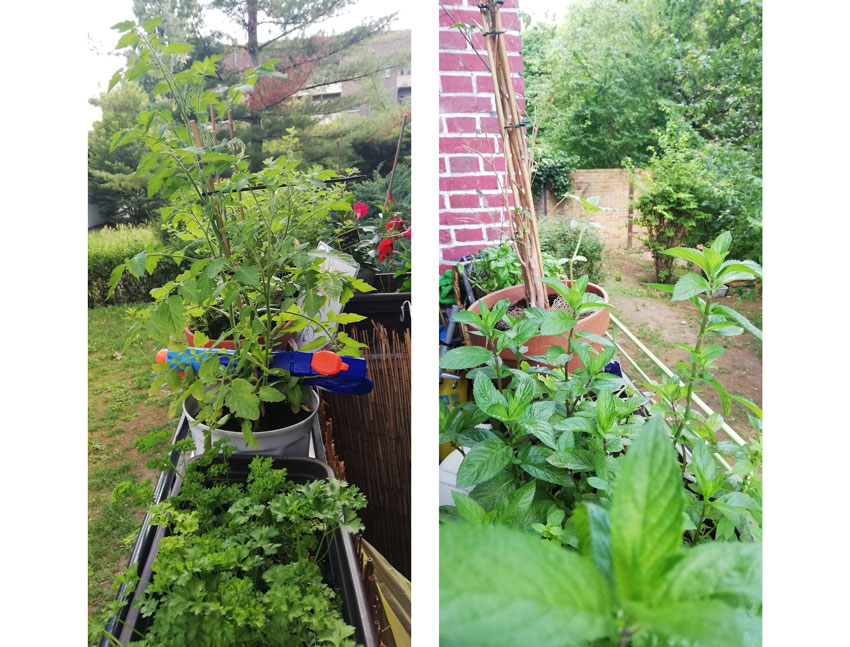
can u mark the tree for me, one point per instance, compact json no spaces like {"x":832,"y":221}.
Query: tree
{"x":309,"y":60}
{"x":113,"y":186}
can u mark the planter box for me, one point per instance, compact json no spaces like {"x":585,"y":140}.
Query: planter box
{"x":341,"y":567}
{"x":389,"y":309}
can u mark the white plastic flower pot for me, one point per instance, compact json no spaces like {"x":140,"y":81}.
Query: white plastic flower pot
{"x":293,"y":440}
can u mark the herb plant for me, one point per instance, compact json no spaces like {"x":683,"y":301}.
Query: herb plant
{"x":244,"y":263}
{"x":568,"y":457}
{"x":494,"y":268}
{"x":242,"y":561}
{"x":628,"y":582}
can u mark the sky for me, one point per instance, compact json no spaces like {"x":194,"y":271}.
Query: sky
{"x":101,"y":62}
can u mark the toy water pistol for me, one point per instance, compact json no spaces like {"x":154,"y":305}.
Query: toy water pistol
{"x":323,"y":369}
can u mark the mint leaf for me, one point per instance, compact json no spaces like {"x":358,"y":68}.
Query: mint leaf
{"x":500,"y":586}
{"x":646,"y":513}
{"x":464,"y":357}
{"x":483,"y":462}
{"x":468,"y":508}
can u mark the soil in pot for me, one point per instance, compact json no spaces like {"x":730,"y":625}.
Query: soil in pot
{"x":556,"y":302}
{"x":278,"y":415}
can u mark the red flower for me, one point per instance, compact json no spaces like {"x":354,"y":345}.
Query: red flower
{"x":406,"y":234}
{"x":394,"y":223}
{"x":385,"y":247}
{"x":360,"y":209}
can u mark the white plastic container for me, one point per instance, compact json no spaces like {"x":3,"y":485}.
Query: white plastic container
{"x":287,"y":441}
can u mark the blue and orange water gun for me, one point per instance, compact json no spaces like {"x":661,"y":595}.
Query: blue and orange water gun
{"x":323,"y":369}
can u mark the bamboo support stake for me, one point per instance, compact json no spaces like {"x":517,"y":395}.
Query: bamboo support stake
{"x":395,"y":160}
{"x":523,"y":218}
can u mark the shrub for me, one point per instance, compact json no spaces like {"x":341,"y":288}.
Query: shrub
{"x":111,"y":246}
{"x":552,"y":168}
{"x":559,"y":239}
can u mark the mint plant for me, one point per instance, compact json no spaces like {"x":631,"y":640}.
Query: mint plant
{"x":242,"y":563}
{"x":629,"y":582}
{"x":242,"y":261}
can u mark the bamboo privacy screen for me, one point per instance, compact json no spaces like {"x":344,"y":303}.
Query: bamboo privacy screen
{"x":371,"y":435}
{"x":511,"y":128}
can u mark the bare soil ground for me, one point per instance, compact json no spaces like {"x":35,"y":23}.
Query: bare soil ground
{"x":660,"y":323}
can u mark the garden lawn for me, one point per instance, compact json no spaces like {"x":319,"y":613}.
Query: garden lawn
{"x":661,"y":323}
{"x":126,"y":429}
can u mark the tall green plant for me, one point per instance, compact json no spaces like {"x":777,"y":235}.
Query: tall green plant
{"x":244,"y":262}
{"x":629,"y":581}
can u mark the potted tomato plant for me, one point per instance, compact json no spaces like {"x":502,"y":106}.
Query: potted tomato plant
{"x":243,"y":263}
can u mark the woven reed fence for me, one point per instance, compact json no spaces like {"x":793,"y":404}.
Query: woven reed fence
{"x":371,"y":436}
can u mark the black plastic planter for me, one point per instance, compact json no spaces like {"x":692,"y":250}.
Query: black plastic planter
{"x":341,"y":567}
{"x":390,"y":309}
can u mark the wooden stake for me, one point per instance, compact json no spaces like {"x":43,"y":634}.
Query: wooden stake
{"x":395,"y":161}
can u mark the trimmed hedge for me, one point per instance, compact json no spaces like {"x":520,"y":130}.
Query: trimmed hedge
{"x":111,"y":246}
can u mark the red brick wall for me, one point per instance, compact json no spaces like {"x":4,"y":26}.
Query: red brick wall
{"x":472,"y":207}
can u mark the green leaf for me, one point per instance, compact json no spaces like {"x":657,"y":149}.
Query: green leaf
{"x":127,"y":40}
{"x":646,"y":513}
{"x":532,"y":459}
{"x":722,"y":242}
{"x":465,"y":357}
{"x":690,"y":255}
{"x":500,"y":586}
{"x":729,"y":572}
{"x":242,"y":400}
{"x":689,"y":286}
{"x":490,"y":492}
{"x":703,"y":468}
{"x":123,"y":26}
{"x":514,"y":509}
{"x":741,"y":319}
{"x":661,"y":287}
{"x":152,"y":24}
{"x":271,"y":394}
{"x":723,"y":394}
{"x":701,"y":624}
{"x":593,"y":527}
{"x":606,"y":410}
{"x":578,"y":460}
{"x":557,"y":322}
{"x":179,"y":48}
{"x":486,"y":395}
{"x":247,"y":275}
{"x":468,"y":508}
{"x":483,"y":462}
{"x":167,"y":319}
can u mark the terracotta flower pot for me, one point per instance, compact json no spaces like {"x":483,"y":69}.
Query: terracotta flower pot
{"x":597,"y":322}
{"x":280,"y":343}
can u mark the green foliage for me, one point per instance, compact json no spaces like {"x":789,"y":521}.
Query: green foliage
{"x":679,"y":193}
{"x":111,"y":246}
{"x":255,"y":550}
{"x":494,"y":268}
{"x":614,"y":69}
{"x":552,"y":168}
{"x":630,"y":583}
{"x":236,"y":229}
{"x":573,"y":459}
{"x":114,"y":187}
{"x":559,"y":240}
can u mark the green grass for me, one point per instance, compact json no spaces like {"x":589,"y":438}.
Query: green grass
{"x":127,"y":427}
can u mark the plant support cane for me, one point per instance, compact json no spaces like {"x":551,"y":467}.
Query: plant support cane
{"x":522,"y":217}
